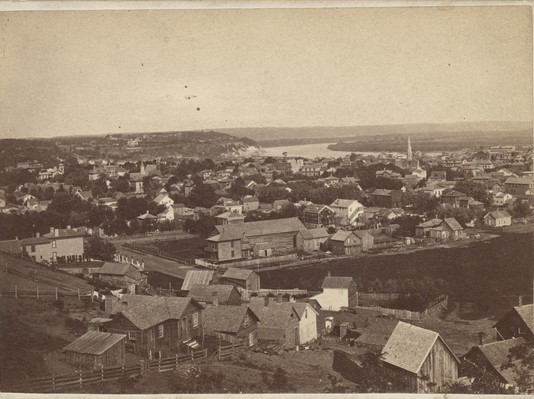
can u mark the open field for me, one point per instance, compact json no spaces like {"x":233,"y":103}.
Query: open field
{"x":491,"y":273}
{"x":184,"y":248}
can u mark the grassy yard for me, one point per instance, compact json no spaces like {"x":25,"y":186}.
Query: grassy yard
{"x":186,"y":248}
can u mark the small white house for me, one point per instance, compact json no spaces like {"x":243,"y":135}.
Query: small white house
{"x":164,"y":199}
{"x":336,"y":294}
{"x":498,"y":219}
{"x":350,"y":209}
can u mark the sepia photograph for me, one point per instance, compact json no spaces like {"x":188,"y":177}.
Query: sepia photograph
{"x":280,"y":197}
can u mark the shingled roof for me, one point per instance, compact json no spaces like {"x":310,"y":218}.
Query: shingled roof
{"x":237,"y":274}
{"x":409,"y":345}
{"x":337,"y":282}
{"x":204,"y":292}
{"x":225,"y":318}
{"x":156,"y":310}
{"x":258,"y":228}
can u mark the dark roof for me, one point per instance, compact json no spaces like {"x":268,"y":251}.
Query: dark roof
{"x":314,"y":233}
{"x":204,"y":292}
{"x":315,"y":208}
{"x":237,"y":274}
{"x":196,"y":277}
{"x":453,"y":224}
{"x":409,"y":345}
{"x":120,"y":269}
{"x":498,"y":214}
{"x":258,"y":228}
{"x":94,"y":342}
{"x":225,"y":318}
{"x":156,"y":310}
{"x":337,"y":282}
{"x":34,"y":241}
{"x":497,"y":354}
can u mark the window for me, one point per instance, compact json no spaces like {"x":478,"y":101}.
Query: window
{"x":195,"y":320}
{"x":160,"y":331}
{"x":232,"y":243}
{"x":54,"y":244}
{"x":246,"y":322}
{"x":132,"y":335}
{"x":33,"y":248}
{"x":232,"y":254}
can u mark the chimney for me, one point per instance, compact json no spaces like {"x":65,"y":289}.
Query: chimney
{"x":56,"y":232}
{"x":279,"y":298}
{"x":68,"y":227}
{"x":481,"y":338}
{"x":520,"y":300}
{"x":51,"y":230}
{"x":37,"y":234}
{"x":214,"y":298}
{"x":292,"y":299}
{"x":329,"y":274}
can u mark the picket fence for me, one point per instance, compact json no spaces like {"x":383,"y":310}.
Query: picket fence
{"x":56,"y":382}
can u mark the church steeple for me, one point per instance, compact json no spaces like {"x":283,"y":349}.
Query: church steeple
{"x":409,"y":150}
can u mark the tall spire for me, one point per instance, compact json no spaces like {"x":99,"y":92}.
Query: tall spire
{"x":409,"y":149}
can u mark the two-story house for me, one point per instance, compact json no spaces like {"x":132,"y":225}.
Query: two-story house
{"x":350,"y":209}
{"x":60,"y":245}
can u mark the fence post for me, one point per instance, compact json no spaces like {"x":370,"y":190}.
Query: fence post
{"x":102,"y":372}
{"x":56,"y":294}
{"x":37,"y":292}
{"x":176,"y":362}
{"x":16,"y":294}
{"x":142,"y":366}
{"x":81,"y":377}
{"x":159,"y":364}
{"x":53,"y":382}
{"x":78,"y":294}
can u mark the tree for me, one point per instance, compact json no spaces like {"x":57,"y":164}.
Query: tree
{"x":520,"y":209}
{"x":278,"y":382}
{"x":475,"y":190}
{"x":521,"y":362}
{"x":98,"y":248}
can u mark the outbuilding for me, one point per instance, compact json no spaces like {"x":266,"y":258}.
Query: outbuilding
{"x":96,"y":349}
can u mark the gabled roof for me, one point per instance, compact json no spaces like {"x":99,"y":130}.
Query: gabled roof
{"x":430,"y":223}
{"x":237,"y":274}
{"x":497,"y":354}
{"x":34,"y":241}
{"x":161,"y":197}
{"x":156,"y":310}
{"x":204,"y":292}
{"x":337,"y":282}
{"x":94,"y":342}
{"x":344,"y":203}
{"x":196,"y":277}
{"x":382,"y":192}
{"x":453,"y":193}
{"x":453,"y":224}
{"x":225,"y":318}
{"x":120,"y":269}
{"x":409,"y":345}
{"x":498,"y":214}
{"x":314,"y":233}
{"x":341,"y":235}
{"x":258,"y":228}
{"x":519,"y":180}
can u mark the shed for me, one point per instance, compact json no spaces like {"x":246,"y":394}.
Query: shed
{"x":246,"y":279}
{"x":421,"y":357}
{"x":197,"y":277}
{"x":96,"y":349}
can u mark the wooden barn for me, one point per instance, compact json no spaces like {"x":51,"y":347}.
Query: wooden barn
{"x":243,"y":278}
{"x":96,"y":349}
{"x":421,"y":357}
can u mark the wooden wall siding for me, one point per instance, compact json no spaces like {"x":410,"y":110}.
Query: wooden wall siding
{"x":440,"y":366}
{"x":509,"y":327}
{"x":224,"y":250}
{"x":114,"y":356}
{"x":280,"y":243}
{"x":241,"y":336}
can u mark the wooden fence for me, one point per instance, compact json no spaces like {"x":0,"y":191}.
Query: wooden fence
{"x":78,"y":379}
{"x":223,"y":352}
{"x":435,"y":307}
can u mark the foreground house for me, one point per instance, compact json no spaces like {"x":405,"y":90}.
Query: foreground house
{"x":285,"y":324}
{"x":518,"y":322}
{"x":337,"y":292}
{"x":231,"y":323}
{"x":351,"y":242}
{"x":490,"y":357}
{"x":158,"y":326}
{"x":421,"y":357}
{"x":96,"y":349}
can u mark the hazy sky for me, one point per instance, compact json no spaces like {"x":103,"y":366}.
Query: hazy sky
{"x":95,"y":72}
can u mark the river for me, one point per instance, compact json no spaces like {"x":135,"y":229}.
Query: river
{"x":313,"y":151}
